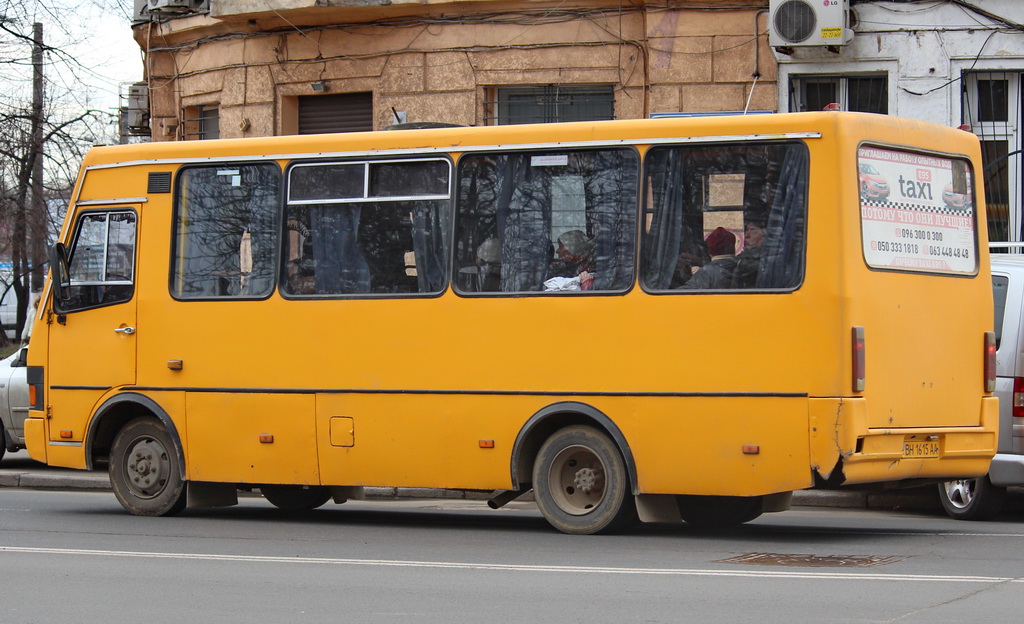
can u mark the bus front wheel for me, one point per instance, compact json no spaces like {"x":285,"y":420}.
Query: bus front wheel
{"x":580,"y":482}
{"x":295,"y":497}
{"x":144,"y":469}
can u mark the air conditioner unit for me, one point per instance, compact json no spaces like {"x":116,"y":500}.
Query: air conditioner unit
{"x":808,"y":23}
{"x":161,"y":7}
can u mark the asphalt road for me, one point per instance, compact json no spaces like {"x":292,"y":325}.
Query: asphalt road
{"x":77,"y":557}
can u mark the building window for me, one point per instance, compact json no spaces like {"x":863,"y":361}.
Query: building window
{"x":338,"y":112}
{"x":200,"y":122}
{"x":992,"y":109}
{"x":518,"y":105}
{"x":864,"y":94}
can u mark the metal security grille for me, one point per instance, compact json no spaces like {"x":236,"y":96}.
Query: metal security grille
{"x":553,"y":103}
{"x":200,"y":122}
{"x":338,"y":112}
{"x":992,"y":107}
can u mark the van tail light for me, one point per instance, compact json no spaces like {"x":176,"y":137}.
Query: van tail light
{"x":990,"y":362}
{"x":1018,"y":397}
{"x":859,"y":365}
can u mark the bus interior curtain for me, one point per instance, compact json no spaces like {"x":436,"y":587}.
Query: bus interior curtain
{"x":337,"y":259}
{"x":524,"y":222}
{"x":782,"y":256}
{"x":667,"y":227}
{"x":610,"y":185}
{"x":430,"y":225}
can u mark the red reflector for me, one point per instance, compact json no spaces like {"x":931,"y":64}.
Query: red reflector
{"x":266,"y":438}
{"x":859,"y":365}
{"x":751,"y":449}
{"x":32,"y":396}
{"x":66,"y":434}
{"x":486,"y":443}
{"x":1018,"y":397}
{"x":990,"y":361}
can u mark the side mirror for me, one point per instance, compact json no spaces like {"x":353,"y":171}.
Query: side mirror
{"x":60,"y":276}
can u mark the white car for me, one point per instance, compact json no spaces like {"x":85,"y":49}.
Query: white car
{"x":13,"y":401}
{"x":982,"y":498}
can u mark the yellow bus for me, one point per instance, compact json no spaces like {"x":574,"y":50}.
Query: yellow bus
{"x":655,"y":319}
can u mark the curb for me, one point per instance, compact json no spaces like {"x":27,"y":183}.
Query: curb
{"x":922,"y":499}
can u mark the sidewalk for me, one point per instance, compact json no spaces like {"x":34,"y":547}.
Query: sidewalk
{"x":45,"y":478}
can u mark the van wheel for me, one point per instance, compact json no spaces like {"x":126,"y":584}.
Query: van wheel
{"x":972,"y":499}
{"x":3,"y":441}
{"x":295,"y":497}
{"x":706,"y":511}
{"x":144,"y":469}
{"x":580,"y":483}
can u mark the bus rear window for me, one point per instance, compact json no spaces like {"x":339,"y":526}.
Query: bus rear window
{"x":917,"y":212}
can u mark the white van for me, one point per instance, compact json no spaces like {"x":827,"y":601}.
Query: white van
{"x":982,"y":498}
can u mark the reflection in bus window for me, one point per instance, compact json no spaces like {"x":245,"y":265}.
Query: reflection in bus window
{"x":367,"y":228}
{"x":762,"y":208}
{"x":225,"y":235}
{"x":545,"y":219}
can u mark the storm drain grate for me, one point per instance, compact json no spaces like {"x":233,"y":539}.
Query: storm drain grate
{"x":812,"y":561}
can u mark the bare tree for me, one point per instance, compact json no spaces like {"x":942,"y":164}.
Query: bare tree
{"x":45,"y":128}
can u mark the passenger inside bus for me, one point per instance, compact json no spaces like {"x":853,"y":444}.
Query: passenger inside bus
{"x":719,"y":272}
{"x":573,"y":270}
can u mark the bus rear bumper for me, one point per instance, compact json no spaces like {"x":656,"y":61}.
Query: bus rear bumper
{"x":854,"y":453}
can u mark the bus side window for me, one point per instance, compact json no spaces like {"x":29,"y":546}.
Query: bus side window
{"x":225,"y":231}
{"x":102,"y":260}
{"x":367,"y":228}
{"x":525,"y":205}
{"x":756,"y":194}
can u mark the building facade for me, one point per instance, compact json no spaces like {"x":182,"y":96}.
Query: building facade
{"x":233,"y":68}
{"x":236,"y":68}
{"x":952,"y":62}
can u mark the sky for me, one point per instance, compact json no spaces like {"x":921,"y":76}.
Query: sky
{"x":101,"y":40}
{"x":94,"y":54}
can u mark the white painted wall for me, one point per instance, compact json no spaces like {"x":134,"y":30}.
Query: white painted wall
{"x":924,"y":47}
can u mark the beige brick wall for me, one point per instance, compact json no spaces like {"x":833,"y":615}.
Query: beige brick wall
{"x":683,"y":59}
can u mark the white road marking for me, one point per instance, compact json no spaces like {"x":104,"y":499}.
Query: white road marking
{"x":506,"y":567}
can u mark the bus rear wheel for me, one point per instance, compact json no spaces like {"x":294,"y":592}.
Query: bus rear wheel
{"x":580,"y":483}
{"x":144,"y":469}
{"x":295,"y":497}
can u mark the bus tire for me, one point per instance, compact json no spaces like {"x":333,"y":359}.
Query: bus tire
{"x":144,"y":469}
{"x":295,"y":497}
{"x":580,"y":482}
{"x":717,"y":511}
{"x":972,"y":499}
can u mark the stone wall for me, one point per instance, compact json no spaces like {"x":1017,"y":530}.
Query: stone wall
{"x":436,"y":62}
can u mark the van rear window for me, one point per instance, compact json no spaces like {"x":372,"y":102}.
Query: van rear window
{"x":917,"y":212}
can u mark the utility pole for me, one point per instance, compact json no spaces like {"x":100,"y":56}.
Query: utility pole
{"x":37,"y":217}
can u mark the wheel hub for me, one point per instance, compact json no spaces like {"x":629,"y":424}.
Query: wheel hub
{"x":147,"y":467}
{"x":585,"y":479}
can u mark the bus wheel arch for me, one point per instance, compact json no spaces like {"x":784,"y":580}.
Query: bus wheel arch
{"x":580,"y":467}
{"x":545,"y":422}
{"x":117,"y":412}
{"x":144,"y":455}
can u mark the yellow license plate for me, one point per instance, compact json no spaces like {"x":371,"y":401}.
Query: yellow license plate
{"x":921,"y":449}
